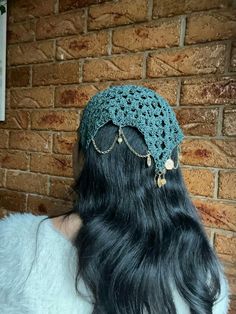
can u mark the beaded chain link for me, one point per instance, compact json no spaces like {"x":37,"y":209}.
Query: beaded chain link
{"x":119,"y":139}
{"x":105,"y":151}
{"x":169,"y":164}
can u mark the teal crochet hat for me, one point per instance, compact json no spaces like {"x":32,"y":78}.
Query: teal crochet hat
{"x":140,"y":107}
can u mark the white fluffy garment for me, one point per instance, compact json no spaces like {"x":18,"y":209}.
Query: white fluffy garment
{"x":50,"y":287}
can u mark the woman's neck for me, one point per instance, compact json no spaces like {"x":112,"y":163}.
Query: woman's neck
{"x":68,"y":226}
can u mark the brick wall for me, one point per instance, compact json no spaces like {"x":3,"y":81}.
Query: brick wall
{"x":61,"y":52}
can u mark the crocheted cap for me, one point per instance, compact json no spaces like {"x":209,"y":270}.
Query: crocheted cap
{"x":136,"y":106}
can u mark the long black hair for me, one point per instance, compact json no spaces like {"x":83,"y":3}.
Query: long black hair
{"x":138,"y":242}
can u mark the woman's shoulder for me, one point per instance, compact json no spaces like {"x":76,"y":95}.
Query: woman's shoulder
{"x":32,"y":252}
{"x":17,"y":228}
{"x":17,"y":231}
{"x":16,"y":243}
{"x":22,"y":237}
{"x":22,"y":228}
{"x":19,"y":222}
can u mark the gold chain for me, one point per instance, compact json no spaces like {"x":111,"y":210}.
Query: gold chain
{"x":160,"y":181}
{"x":113,"y":144}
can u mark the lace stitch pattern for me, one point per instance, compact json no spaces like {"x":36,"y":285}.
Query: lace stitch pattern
{"x":137,"y":106}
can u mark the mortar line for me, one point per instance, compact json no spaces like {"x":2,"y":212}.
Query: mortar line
{"x":110,"y":39}
{"x":182,"y":30}
{"x":178,"y":92}
{"x":216,"y":183}
{"x":81,"y":66}
{"x":228,"y":51}
{"x":144,"y":67}
{"x":49,"y":185}
{"x":56,"y":7}
{"x":86,"y":20}
{"x":220,"y":121}
{"x":150,"y":9}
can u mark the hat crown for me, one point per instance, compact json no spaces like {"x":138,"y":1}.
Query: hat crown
{"x":137,"y":106}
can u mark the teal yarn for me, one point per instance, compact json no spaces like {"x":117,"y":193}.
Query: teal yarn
{"x":136,"y":106}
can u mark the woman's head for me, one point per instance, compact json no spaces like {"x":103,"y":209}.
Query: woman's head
{"x":138,"y":107}
{"x":138,"y":241}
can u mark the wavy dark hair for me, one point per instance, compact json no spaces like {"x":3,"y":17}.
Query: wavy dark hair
{"x":138,"y":241}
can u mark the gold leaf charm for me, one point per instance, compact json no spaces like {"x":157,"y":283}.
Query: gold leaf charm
{"x":169,"y":164}
{"x":159,"y":183}
{"x":149,"y":161}
{"x":120,"y":140}
{"x":163,"y":181}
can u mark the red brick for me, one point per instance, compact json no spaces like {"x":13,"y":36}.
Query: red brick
{"x":63,"y":142}
{"x":59,"y":165}
{"x":165,"y":88}
{"x":4,"y":135}
{"x":60,"y":25}
{"x":18,"y":76}
{"x":227,"y":184}
{"x":227,"y":260}
{"x":232,"y":284}
{"x":56,"y":73}
{"x":199,"y":181}
{"x":225,"y":244}
{"x":27,"y":182}
{"x":86,"y":45}
{"x":175,"y":7}
{"x":216,"y":25}
{"x":25,"y":9}
{"x":233,"y":57}
{"x":30,"y":140}
{"x":111,"y":14}
{"x":198,"y":121}
{"x":14,"y":159}
{"x":20,"y":32}
{"x":65,"y":5}
{"x":187,"y":60}
{"x":33,"y":52}
{"x":55,"y":120}
{"x":216,"y":214}
{"x":103,"y":85}
{"x":2,"y":177}
{"x":146,"y":36}
{"x":16,"y":119}
{"x":209,"y":153}
{"x":114,"y":68}
{"x":12,"y":200}
{"x":61,"y":188}
{"x":74,"y":96}
{"x":48,"y":206}
{"x":36,"y":97}
{"x":229,"y":122}
{"x":232,"y":307}
{"x":212,"y":91}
